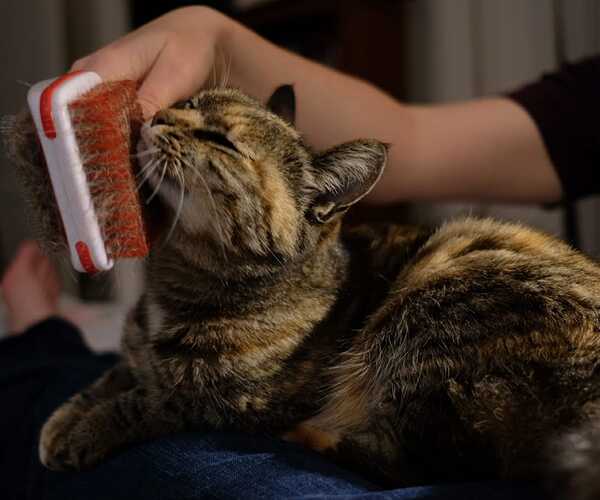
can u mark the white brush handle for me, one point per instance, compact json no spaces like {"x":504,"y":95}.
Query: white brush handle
{"x":48,"y":102}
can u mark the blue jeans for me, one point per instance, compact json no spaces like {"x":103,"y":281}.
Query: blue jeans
{"x":43,"y":367}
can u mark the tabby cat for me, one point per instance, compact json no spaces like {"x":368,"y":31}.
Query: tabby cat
{"x":413,"y":355}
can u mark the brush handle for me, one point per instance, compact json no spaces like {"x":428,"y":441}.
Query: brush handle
{"x":48,"y":102}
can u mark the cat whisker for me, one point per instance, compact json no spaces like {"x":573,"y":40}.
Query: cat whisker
{"x":145,"y":168}
{"x":181,"y":180}
{"x":151,"y":168}
{"x":226,"y":73}
{"x":213,"y":75}
{"x":160,"y":181}
{"x":147,"y":152}
{"x":217,"y":223}
{"x":24,"y":83}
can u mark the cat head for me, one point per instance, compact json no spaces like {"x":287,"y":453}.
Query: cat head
{"x":242,"y":187}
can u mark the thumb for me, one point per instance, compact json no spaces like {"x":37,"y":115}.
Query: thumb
{"x":127,"y":59}
{"x":175,"y":75}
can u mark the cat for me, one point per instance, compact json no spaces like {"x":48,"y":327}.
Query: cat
{"x":411,"y":354}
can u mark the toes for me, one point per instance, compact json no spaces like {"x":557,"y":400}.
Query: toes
{"x":55,"y":458}
{"x":65,"y":455}
{"x":50,"y":280}
{"x":67,"y":442}
{"x":27,"y":256}
{"x":56,"y":451}
{"x":30,"y":288}
{"x":29,"y":249}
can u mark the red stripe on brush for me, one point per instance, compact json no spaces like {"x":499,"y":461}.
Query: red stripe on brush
{"x":46,"y":104}
{"x":85,"y":258}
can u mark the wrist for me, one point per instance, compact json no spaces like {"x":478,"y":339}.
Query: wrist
{"x":221,"y":26}
{"x":402,"y":178}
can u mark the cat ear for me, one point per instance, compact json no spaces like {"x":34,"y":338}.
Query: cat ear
{"x":283,"y":103}
{"x":345,"y":174}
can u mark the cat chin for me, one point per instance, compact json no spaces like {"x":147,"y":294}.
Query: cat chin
{"x":145,"y":144}
{"x":190,"y":214}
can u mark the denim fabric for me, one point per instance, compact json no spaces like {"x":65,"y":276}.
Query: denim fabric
{"x":42,"y":368}
{"x":232,"y":466}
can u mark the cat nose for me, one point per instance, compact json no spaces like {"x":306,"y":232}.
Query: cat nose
{"x":161,"y":118}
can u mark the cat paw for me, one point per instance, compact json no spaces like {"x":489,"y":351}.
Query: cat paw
{"x":66,"y":445}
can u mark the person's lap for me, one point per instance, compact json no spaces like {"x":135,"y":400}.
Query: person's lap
{"x":42,"y":368}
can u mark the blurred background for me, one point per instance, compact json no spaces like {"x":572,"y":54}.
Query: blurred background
{"x":417,"y":50}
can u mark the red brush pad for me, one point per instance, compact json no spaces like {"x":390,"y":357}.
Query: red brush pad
{"x":107,"y":121}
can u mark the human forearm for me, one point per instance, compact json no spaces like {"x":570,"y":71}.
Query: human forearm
{"x":483,"y":150}
{"x":487,"y":150}
{"x":331,"y":106}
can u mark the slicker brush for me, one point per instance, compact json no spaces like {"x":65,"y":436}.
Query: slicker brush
{"x":82,"y":188}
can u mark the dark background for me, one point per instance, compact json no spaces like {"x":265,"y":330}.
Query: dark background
{"x":350,"y":35}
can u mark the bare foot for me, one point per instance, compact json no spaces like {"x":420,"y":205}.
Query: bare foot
{"x":30,"y":287}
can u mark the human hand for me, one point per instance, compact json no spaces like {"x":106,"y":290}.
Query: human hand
{"x":171,"y":57}
{"x":30,"y":288}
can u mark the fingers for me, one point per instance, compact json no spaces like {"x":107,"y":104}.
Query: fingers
{"x":169,"y":67}
{"x":178,"y":72}
{"x":128,"y":58}
{"x":171,"y":58}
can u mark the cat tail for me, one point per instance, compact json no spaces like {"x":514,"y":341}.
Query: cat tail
{"x":574,"y":463}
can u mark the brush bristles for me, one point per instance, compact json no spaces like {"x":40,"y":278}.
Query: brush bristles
{"x":107,"y":121}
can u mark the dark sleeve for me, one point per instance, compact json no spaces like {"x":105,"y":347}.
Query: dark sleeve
{"x":566,"y":109}
{"x":39,"y":370}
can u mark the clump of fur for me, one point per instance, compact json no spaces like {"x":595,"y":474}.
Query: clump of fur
{"x":24,"y":151}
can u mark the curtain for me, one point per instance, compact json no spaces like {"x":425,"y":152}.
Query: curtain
{"x":458,"y":49}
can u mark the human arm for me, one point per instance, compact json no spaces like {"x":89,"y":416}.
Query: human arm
{"x":481,"y":150}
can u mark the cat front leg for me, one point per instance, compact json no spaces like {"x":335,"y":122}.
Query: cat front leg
{"x":57,"y":430}
{"x":103,"y":419}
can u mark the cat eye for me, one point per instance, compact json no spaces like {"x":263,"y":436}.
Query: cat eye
{"x":216,"y":138}
{"x":189,"y":104}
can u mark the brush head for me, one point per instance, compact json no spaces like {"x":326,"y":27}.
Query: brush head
{"x":105,"y":122}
